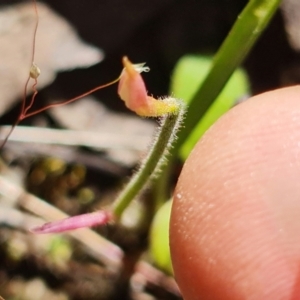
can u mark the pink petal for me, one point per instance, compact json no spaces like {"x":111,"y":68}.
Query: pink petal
{"x":132,"y":89}
{"x":101,"y":217}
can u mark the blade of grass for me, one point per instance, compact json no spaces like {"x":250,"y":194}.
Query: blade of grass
{"x":245,"y":32}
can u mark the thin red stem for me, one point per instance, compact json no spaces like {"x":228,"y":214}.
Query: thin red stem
{"x":23,"y":106}
{"x":27,"y":115}
{"x":24,"y":112}
{"x":35,"y":92}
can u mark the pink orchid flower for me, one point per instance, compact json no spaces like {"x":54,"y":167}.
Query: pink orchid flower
{"x":132,"y":91}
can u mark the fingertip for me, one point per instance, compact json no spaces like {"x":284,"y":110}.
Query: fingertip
{"x":236,"y":215}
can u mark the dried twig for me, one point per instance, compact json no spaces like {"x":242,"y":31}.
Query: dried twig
{"x":101,"y":249}
{"x":100,"y":140}
{"x":147,"y":274}
{"x":104,"y":163}
{"x":15,"y":218}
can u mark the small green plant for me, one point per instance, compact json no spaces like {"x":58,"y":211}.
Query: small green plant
{"x":203,"y":95}
{"x":132,"y":91}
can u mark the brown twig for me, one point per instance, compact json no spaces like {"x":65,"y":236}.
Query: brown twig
{"x":101,"y":249}
{"x":97,"y":139}
{"x":148,"y":274}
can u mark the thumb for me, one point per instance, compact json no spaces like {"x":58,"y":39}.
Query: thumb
{"x":235,"y":222}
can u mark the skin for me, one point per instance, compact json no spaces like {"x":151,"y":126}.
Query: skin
{"x":235,"y":221}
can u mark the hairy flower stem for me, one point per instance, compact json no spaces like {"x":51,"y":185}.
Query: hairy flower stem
{"x":154,"y":161}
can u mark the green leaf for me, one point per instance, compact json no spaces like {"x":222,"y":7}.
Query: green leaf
{"x":188,"y":75}
{"x":159,"y":238}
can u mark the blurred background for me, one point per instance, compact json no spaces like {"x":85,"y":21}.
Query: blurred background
{"x":93,"y":145}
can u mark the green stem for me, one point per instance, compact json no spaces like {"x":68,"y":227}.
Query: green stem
{"x":154,"y":161}
{"x":161,"y":187}
{"x":246,"y":30}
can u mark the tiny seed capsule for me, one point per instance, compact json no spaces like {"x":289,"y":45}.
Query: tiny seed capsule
{"x":34,"y":71}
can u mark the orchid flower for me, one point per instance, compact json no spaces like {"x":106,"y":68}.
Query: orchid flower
{"x":132,"y":91}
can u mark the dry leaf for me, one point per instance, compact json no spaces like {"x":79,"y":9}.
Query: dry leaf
{"x":57,"y":48}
